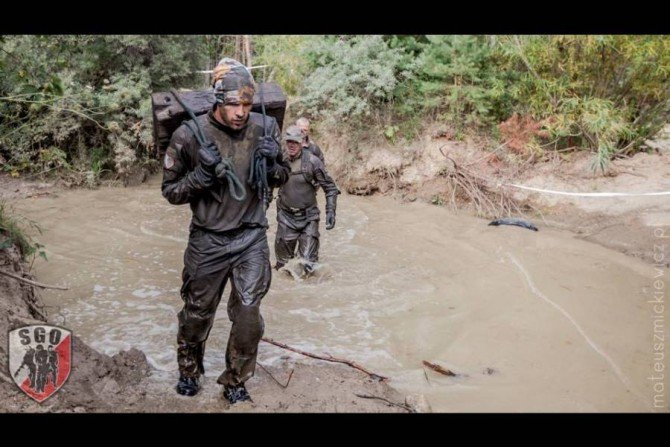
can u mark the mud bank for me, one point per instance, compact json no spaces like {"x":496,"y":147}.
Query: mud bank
{"x":633,"y":225}
{"x":97,"y":382}
{"x":421,"y":170}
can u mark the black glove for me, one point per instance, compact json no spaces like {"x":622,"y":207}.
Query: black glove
{"x":331,"y":205}
{"x":209,"y":157}
{"x":330,"y":219}
{"x":203,"y":178}
{"x":221,"y":171}
{"x":268,"y":147}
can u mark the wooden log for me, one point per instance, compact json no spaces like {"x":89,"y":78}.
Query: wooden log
{"x":437,"y":368}
{"x":168,"y":113}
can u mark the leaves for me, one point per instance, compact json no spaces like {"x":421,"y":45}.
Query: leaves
{"x":40,"y":251}
{"x":17,"y":231}
{"x":56,"y":86}
{"x":59,"y":93}
{"x":390,"y":133}
{"x":352,"y":77}
{"x":605,"y":94}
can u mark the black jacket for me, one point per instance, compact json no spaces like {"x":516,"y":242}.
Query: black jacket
{"x":213,"y":208}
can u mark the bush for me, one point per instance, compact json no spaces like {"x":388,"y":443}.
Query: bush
{"x":61,"y":97}
{"x":606,"y":94}
{"x":603,"y":93}
{"x":352,"y":77}
{"x":14,"y":230}
{"x":82,"y":102}
{"x":458,"y":79}
{"x":285,"y":57}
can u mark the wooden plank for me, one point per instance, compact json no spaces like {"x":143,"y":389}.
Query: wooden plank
{"x":168,"y":114}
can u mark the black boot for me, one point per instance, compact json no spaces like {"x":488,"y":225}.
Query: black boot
{"x":235,"y":394}
{"x":188,"y":386}
{"x":308,"y":269}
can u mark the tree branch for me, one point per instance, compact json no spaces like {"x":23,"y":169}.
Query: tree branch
{"x":33,"y":283}
{"x":439,"y":369}
{"x":330,"y":358}
{"x":403,"y":406}
{"x":273,"y":377}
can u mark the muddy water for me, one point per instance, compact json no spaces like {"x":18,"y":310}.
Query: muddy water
{"x":529,"y":321}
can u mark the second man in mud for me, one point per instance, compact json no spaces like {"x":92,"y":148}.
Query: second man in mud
{"x":297,"y":212}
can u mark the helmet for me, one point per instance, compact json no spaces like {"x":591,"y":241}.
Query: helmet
{"x":233,"y":83}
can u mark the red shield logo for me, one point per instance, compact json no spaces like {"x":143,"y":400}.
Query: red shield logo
{"x":40,"y":357}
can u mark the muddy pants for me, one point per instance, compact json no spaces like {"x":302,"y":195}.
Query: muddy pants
{"x":300,"y":231}
{"x":243,"y":256}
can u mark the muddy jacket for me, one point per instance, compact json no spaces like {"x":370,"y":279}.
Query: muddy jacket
{"x":213,"y":208}
{"x":298,"y":195}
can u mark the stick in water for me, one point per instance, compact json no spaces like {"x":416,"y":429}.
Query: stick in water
{"x":438,"y":368}
{"x":33,"y":283}
{"x":328,"y":359}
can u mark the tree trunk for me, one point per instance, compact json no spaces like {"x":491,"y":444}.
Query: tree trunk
{"x":238,"y":48}
{"x":247,"y":50}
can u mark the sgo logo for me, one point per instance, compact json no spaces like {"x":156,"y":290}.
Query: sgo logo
{"x":40,"y":357}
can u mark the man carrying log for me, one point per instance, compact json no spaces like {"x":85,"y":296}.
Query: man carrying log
{"x":223,"y":163}
{"x":297,"y":210}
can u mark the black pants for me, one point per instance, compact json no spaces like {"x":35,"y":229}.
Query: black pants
{"x":243,"y":256}
{"x":291,"y":231}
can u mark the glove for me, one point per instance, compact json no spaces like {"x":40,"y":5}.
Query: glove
{"x":331,"y":204}
{"x":203,"y":178}
{"x":330,"y":219}
{"x":209,"y":157}
{"x":268,"y":147}
{"x":221,"y":171}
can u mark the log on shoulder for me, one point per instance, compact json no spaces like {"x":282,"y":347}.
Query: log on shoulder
{"x":168,"y":114}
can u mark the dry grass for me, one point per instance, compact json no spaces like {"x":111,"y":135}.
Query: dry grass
{"x":489,"y":201}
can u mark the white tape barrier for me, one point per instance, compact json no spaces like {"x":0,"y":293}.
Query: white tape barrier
{"x":593,"y":194}
{"x":615,"y":368}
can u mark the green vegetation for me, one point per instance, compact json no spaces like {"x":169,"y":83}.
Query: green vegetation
{"x":605,"y":94}
{"x":15,"y":230}
{"x":82,"y":103}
